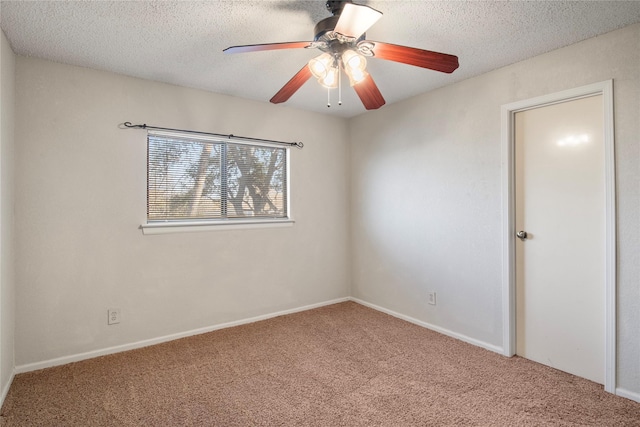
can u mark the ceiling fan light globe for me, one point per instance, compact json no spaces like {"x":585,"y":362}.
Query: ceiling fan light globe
{"x":330,"y":81}
{"x":320,"y":65}
{"x":353,"y":61}
{"x":355,"y":75}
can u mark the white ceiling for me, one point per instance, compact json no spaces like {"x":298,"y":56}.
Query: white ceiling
{"x":181,"y":42}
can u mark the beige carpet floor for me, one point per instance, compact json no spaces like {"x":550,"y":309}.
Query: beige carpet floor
{"x":341,"y":365}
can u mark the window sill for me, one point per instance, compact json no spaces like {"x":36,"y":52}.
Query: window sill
{"x":198,"y":226}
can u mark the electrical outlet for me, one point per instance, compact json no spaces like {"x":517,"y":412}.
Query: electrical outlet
{"x":114,"y":316}
{"x":431,"y":298}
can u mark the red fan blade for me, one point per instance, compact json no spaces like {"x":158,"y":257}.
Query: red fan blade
{"x":369,"y":94}
{"x":292,"y":85}
{"x":356,"y":19}
{"x":413,"y":56}
{"x":267,"y":46}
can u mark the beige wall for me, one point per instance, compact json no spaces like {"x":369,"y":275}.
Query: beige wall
{"x":426,"y":186}
{"x":7,"y":274}
{"x":81,"y":196}
{"x":425,"y":206}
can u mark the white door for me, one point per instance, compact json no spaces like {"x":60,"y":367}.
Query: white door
{"x":560,"y":265}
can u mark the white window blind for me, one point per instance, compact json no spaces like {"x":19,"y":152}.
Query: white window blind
{"x":192,"y":177}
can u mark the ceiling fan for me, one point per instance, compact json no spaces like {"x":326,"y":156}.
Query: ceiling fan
{"x":341,"y":38}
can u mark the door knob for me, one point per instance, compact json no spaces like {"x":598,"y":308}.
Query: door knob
{"x":522,"y":235}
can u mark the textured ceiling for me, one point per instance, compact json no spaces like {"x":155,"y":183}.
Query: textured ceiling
{"x":181,"y":42}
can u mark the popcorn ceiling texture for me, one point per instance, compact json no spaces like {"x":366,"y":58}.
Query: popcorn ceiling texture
{"x":182,"y":42}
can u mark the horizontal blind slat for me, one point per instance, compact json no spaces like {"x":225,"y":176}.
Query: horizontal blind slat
{"x":189,"y":178}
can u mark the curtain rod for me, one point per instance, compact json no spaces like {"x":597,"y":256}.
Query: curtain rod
{"x":145,"y":126}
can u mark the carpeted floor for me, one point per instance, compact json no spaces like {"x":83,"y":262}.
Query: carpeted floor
{"x":341,"y":365}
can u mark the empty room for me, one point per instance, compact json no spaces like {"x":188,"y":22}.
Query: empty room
{"x":320,"y":213}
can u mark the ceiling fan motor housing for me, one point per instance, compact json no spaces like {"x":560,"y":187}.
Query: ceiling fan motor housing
{"x":336,"y":6}
{"x":324,"y":29}
{"x":333,"y":42}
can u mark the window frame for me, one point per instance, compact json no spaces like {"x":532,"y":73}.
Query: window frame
{"x":159,"y":226}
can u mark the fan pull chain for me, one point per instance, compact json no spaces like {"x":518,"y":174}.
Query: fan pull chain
{"x":328,"y":98}
{"x":339,"y":82}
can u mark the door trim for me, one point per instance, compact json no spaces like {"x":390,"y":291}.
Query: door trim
{"x":508,"y":111}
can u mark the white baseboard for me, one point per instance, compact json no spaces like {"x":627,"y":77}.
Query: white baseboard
{"x":619,"y":391}
{"x":6,"y":387}
{"x":145,"y":343}
{"x":435,"y":328}
{"x":628,"y":394}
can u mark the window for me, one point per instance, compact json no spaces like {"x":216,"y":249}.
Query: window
{"x":199,"y":178}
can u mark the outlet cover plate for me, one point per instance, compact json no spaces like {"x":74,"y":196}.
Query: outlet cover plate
{"x":113,"y":316}
{"x":431,"y":298}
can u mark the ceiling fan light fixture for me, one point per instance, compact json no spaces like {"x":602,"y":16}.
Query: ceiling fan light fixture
{"x":320,"y":65}
{"x":352,"y":60}
{"x":354,"y":66}
{"x":356,"y":76}
{"x":330,"y":80}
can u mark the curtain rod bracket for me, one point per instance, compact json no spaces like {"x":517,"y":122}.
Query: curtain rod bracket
{"x":132,"y":126}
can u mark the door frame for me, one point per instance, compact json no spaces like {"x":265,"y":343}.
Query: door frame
{"x":508,"y":112}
